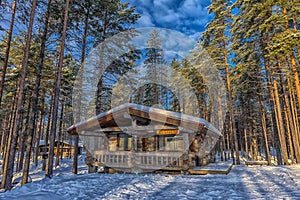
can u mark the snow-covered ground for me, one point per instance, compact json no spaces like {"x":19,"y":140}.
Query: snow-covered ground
{"x":253,"y":182}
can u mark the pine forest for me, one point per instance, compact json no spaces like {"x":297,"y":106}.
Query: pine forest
{"x":252,"y":46}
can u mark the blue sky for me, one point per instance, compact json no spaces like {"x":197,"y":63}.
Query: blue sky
{"x":186,"y":16}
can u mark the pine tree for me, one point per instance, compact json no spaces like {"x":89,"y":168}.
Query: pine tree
{"x":9,"y":165}
{"x":116,"y":17}
{"x":49,"y":169}
{"x":6,"y":57}
{"x":36,"y":97}
{"x":216,"y":39}
{"x":153,"y":61}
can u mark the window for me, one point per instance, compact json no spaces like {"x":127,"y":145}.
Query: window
{"x":125,"y":142}
{"x":170,"y":142}
{"x":112,"y":143}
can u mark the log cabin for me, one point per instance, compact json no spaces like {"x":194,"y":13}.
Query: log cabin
{"x":135,"y":138}
{"x":66,"y":149}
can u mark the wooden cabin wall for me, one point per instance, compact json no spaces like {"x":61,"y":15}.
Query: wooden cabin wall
{"x":146,"y":144}
{"x":150,"y":143}
{"x":112,"y":143}
{"x":139,"y":144}
{"x":94,"y":143}
{"x":125,"y":142}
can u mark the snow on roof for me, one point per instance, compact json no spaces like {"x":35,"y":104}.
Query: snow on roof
{"x":147,"y":109}
{"x":70,"y":142}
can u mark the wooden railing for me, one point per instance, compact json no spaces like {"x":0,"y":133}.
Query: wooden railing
{"x":141,"y":160}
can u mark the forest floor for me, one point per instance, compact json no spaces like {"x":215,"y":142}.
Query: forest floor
{"x":252,"y":182}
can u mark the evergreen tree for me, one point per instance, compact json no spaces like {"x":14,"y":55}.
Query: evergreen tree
{"x":6,"y":56}
{"x":36,"y":96}
{"x":216,"y":40}
{"x":9,"y":164}
{"x":49,"y":169}
{"x":153,"y":61}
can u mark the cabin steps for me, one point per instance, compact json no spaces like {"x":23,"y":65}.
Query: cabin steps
{"x":213,"y":168}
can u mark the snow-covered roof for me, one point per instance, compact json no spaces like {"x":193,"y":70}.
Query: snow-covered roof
{"x":108,"y":118}
{"x":69,"y":142}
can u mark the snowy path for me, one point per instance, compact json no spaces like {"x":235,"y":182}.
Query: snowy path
{"x":243,"y":182}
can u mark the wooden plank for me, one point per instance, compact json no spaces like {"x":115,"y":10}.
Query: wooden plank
{"x":164,"y":118}
{"x":210,"y":171}
{"x":136,"y":128}
{"x":258,"y":162}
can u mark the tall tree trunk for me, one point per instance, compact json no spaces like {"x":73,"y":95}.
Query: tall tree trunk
{"x":38,"y":134}
{"x":276,"y":128}
{"x":292,"y":130}
{"x":227,"y":139}
{"x":86,"y":27}
{"x":9,"y":166}
{"x":46,"y":149}
{"x":293,"y":60}
{"x":9,"y":131}
{"x":281,"y":125}
{"x":6,"y":57}
{"x":290,"y":143}
{"x":251,"y":143}
{"x":4,"y":135}
{"x":21,"y":153}
{"x":245,"y":130}
{"x":59,"y":146}
{"x":34,"y":112}
{"x":230,"y":105}
{"x":220,"y":123}
{"x":23,"y":134}
{"x":49,"y":169}
{"x":296,"y":77}
{"x":294,"y":108}
{"x":264,"y":126}
{"x":241,"y":140}
{"x":296,"y":136}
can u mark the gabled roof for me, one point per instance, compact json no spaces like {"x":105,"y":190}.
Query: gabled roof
{"x":67,"y":142}
{"x":124,"y":114}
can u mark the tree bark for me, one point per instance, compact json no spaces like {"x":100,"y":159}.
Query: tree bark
{"x":75,"y":158}
{"x":9,"y":131}
{"x":21,"y":152}
{"x":34,"y":112}
{"x":4,"y":135}
{"x":38,"y":134}
{"x":296,"y":76}
{"x":276,"y":128}
{"x":46,"y":149}
{"x":49,"y":169}
{"x":23,"y":144}
{"x":9,"y":166}
{"x":280,"y":123}
{"x":86,"y":27}
{"x":292,"y":130}
{"x":59,"y":146}
{"x":296,"y":136}
{"x":230,"y":105}
{"x":264,"y":126}
{"x":293,"y":60}
{"x":6,"y":57}
{"x":245,"y":130}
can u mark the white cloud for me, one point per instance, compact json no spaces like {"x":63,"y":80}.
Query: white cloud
{"x":193,"y":8}
{"x":145,"y":20}
{"x":187,"y":16}
{"x":195,"y":36}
